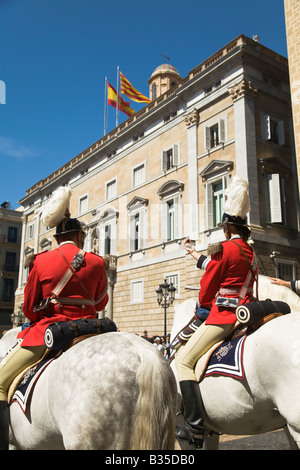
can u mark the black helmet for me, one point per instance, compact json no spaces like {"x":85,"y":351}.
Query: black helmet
{"x":238,"y":221}
{"x":68,"y":225}
{"x":232,"y":219}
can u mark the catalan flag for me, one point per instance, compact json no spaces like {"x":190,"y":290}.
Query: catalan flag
{"x":112,"y":96}
{"x":128,"y":90}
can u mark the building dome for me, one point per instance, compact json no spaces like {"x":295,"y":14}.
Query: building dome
{"x":164,"y":77}
{"x":165,"y":68}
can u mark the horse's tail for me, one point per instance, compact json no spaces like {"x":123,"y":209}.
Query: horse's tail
{"x":155,"y":413}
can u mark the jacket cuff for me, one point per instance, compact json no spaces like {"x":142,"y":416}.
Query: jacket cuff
{"x":203,"y":262}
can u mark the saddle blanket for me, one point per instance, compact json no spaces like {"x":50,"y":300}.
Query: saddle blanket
{"x":24,"y":384}
{"x":224,"y":359}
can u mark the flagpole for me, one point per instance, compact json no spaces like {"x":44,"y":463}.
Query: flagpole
{"x":105,"y":105}
{"x":117,"y":108}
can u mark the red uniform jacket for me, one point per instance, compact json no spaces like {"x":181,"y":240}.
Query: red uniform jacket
{"x":48,"y":269}
{"x":227,"y":270}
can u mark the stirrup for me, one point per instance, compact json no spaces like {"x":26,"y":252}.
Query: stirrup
{"x":198,"y":440}
{"x":196,"y":437}
{"x":182,"y":433}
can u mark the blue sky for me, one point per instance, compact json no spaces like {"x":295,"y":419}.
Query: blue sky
{"x":55,"y":55}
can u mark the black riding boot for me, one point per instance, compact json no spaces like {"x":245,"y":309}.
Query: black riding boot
{"x":4,"y":425}
{"x":192,"y":412}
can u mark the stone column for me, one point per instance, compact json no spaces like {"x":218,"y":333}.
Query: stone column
{"x":111,"y":268}
{"x":192,"y":121}
{"x":21,"y":264}
{"x":243,"y":94}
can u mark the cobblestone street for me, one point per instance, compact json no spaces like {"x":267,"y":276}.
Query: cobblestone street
{"x":275,"y":440}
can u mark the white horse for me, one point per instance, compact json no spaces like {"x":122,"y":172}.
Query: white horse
{"x":111,"y":391}
{"x":268,"y":398}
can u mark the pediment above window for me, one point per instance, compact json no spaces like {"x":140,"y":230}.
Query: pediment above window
{"x":46,"y":243}
{"x":170,"y":187}
{"x":137,"y":201}
{"x":215,"y":168}
{"x":109,"y":214}
{"x":275,"y":164}
{"x":28,"y":250}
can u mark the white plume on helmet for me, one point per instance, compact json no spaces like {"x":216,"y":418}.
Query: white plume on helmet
{"x":237,"y":201}
{"x":56,"y":208}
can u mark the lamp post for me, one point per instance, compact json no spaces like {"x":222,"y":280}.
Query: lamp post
{"x":19,"y":318}
{"x":165,"y":297}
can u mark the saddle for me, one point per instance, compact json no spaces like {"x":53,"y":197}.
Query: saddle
{"x":62,"y":336}
{"x":250,"y":317}
{"x":226,"y":357}
{"x":59,"y":335}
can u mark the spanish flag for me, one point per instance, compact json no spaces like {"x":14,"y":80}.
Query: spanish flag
{"x":122,"y":105}
{"x":128,"y":90}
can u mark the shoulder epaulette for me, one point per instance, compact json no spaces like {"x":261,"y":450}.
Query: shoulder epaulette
{"x":29,"y":259}
{"x":215,"y":248}
{"x":106,"y":262}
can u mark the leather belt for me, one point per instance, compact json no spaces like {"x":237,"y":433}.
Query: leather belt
{"x":71,"y":301}
{"x":233,"y":291}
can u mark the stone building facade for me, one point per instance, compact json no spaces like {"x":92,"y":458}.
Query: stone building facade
{"x":160,"y":177}
{"x":10,"y":243}
{"x":292,"y":21}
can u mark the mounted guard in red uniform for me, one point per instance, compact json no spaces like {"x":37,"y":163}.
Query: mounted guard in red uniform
{"x":64,"y":284}
{"x":226,"y":284}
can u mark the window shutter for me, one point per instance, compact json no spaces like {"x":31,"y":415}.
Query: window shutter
{"x":164,"y":160}
{"x":164,"y":221}
{"x":221,"y":131}
{"x":178,"y":217}
{"x":281,"y":132}
{"x":139,"y":175}
{"x":283,"y":189}
{"x":207,"y":138}
{"x":137,"y":291}
{"x":266,"y":127}
{"x":143,"y":228}
{"x":209,"y":206}
{"x":132,"y":232}
{"x":175,"y":155}
{"x":101,"y":239}
{"x":275,"y":198}
{"x":113,"y":243}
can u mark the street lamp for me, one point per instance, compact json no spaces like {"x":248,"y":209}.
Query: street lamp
{"x":165,"y":297}
{"x":19,"y":318}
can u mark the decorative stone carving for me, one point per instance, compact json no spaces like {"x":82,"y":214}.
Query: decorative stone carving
{"x":239,"y":90}
{"x":192,"y":118}
{"x":95,"y":245}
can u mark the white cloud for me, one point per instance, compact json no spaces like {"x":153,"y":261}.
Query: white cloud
{"x":10,"y":148}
